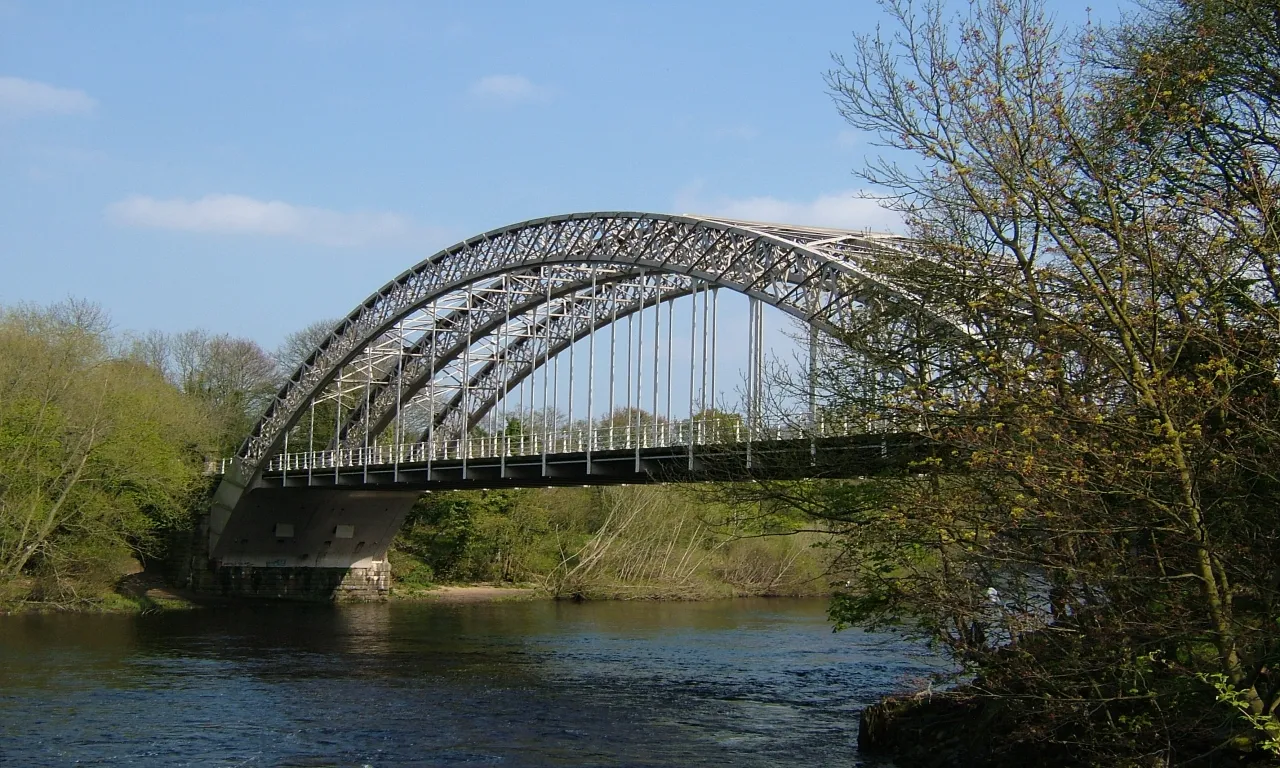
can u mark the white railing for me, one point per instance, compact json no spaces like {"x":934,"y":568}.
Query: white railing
{"x":218,"y":466}
{"x":578,"y":439}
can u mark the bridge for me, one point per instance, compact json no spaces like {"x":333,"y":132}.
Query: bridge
{"x":581,"y":349}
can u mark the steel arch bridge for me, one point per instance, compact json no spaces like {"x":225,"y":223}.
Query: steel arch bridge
{"x":432,"y":382}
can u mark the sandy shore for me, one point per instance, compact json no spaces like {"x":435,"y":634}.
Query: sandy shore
{"x":475,"y":593}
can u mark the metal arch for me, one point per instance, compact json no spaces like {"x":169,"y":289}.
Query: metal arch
{"x":616,"y":289}
{"x":616,"y":298}
{"x":764,"y":261}
{"x":527,"y":353}
{"x":400,"y":385}
{"x":576,"y":319}
{"x":524,"y":357}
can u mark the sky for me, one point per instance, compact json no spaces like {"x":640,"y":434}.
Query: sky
{"x":250,"y":167}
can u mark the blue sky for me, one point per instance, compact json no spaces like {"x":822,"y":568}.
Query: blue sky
{"x":248,"y":167}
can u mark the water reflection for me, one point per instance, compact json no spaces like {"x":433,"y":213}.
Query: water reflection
{"x":747,"y":682}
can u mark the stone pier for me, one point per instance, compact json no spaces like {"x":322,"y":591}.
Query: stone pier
{"x":301,"y":544}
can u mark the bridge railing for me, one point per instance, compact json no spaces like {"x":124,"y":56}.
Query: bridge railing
{"x":575,"y":439}
{"x":218,"y":466}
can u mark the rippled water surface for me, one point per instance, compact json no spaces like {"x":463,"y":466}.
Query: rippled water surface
{"x":742,"y":683}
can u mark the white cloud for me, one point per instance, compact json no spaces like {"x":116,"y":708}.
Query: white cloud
{"x":848,"y":138}
{"x":508,"y":89}
{"x":840,"y":210}
{"x":237,"y":214}
{"x":24,"y":98}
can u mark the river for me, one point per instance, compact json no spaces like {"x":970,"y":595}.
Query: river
{"x":539,"y":683}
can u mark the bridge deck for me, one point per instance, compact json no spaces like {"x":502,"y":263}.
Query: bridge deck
{"x":850,"y":456}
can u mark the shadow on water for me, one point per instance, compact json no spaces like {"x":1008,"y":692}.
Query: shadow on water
{"x":742,"y":682}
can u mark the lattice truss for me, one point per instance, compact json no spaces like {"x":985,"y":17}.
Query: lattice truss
{"x":439,"y":347}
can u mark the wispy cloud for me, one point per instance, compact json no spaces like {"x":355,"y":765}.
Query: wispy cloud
{"x":508,"y":89}
{"x":839,"y":210}
{"x":848,"y":138}
{"x":26,"y":98}
{"x":241,"y":215}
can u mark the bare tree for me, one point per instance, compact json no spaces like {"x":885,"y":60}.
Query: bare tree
{"x":298,"y":346}
{"x":1095,"y":535}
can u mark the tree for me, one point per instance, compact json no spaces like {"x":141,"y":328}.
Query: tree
{"x":298,"y":346}
{"x":1094,"y":357}
{"x":97,"y":454}
{"x":474,"y":535}
{"x":234,"y":378}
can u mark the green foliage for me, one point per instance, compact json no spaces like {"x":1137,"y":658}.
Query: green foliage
{"x":409,"y":571}
{"x":476,"y":535}
{"x":636,"y":542}
{"x":1267,"y":728}
{"x":98,"y":455}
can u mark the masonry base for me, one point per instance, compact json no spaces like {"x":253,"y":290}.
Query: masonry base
{"x":295,"y":583}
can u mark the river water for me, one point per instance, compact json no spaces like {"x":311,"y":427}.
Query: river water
{"x":734,"y":682}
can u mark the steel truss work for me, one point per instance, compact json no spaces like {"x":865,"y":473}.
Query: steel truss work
{"x":465,"y":335}
{"x":452,"y":373}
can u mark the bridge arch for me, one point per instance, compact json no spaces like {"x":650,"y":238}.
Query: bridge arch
{"x":432,"y":314}
{"x":814,"y":274}
{"x":523,"y":358}
{"x":555,"y":326}
{"x":427,"y":358}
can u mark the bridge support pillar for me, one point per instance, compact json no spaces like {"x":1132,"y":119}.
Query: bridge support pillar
{"x":306,"y":544}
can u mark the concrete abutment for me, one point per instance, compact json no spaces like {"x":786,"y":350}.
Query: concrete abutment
{"x":299,"y":544}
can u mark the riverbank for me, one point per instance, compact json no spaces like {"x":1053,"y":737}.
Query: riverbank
{"x":147,"y":593}
{"x":466,"y":593}
{"x":967,"y":727}
{"x":140,"y":592}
